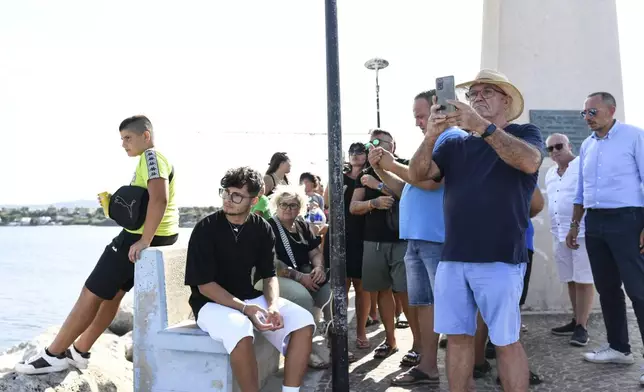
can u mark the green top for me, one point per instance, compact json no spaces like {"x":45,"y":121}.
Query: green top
{"x":262,"y":206}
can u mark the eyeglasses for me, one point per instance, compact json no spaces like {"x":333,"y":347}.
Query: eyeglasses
{"x":590,"y":112}
{"x":486,"y":93}
{"x":557,"y":147}
{"x":235,"y":197}
{"x":289,"y":206}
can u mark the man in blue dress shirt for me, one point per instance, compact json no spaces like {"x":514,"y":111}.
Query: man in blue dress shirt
{"x":610,"y":190}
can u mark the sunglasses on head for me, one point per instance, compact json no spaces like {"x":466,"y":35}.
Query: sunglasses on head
{"x":589,"y":112}
{"x":557,"y":147}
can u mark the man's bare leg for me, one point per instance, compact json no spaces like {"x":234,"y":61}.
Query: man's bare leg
{"x":297,"y":356}
{"x":399,"y":305}
{"x":387,"y":310}
{"x":429,"y":341}
{"x":480,"y":340}
{"x":572,"y":293}
{"x":513,"y":367}
{"x":362,"y":309}
{"x":373,"y":305}
{"x":78,"y":320}
{"x":584,"y":296}
{"x":244,"y":365}
{"x":460,"y":362}
{"x":104,"y":317}
{"x":412,"y":318}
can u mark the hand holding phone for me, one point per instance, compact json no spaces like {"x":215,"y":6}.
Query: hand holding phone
{"x":446,"y":91}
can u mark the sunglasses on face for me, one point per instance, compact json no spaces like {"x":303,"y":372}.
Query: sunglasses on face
{"x":289,"y":206}
{"x":557,"y":147}
{"x":376,"y":142}
{"x":357,"y":151}
{"x":234,"y":197}
{"x":590,"y":113}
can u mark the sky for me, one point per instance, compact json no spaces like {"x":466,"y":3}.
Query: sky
{"x":225,"y":83}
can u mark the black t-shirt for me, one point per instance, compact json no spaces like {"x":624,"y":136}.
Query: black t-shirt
{"x":487,"y":202}
{"x":302,"y":242}
{"x":353,"y":224}
{"x":376,"y":228}
{"x":215,"y":256}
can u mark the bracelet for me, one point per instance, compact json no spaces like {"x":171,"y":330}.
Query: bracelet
{"x":298,"y":276}
{"x":369,"y":204}
{"x":243,"y":309}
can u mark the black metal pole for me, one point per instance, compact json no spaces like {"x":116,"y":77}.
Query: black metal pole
{"x":377,"y":100}
{"x":339,"y":351}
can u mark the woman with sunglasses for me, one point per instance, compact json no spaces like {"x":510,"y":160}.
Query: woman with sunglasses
{"x":354,"y":228}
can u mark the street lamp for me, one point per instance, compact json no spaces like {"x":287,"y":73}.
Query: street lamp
{"x":377,"y":64}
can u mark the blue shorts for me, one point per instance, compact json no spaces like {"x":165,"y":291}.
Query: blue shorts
{"x":493,"y":288}
{"x":421,"y":262}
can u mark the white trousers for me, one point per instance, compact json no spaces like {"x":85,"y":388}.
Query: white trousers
{"x":230,"y":326}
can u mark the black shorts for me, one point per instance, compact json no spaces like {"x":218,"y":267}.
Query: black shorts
{"x":526,"y":278}
{"x":114,"y":271}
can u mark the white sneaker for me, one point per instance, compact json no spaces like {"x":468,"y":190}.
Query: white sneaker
{"x":605,"y":354}
{"x":76,"y":358}
{"x":42,"y":363}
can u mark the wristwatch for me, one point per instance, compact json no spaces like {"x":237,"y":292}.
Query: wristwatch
{"x":574,"y":224}
{"x":489,"y":130}
{"x":380,"y":186}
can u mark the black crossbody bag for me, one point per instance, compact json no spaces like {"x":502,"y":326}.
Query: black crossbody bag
{"x":129,"y":205}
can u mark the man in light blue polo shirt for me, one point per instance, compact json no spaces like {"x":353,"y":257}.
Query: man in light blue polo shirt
{"x":609,"y":189}
{"x":422,"y":224}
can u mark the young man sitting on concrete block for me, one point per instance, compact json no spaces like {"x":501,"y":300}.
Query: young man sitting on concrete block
{"x":224,"y":248}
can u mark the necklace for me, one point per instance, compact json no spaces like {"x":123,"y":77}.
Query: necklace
{"x":236,"y":229}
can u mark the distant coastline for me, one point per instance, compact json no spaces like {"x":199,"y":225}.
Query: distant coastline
{"x":54,"y":216}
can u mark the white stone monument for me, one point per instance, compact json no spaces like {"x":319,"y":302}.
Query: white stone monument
{"x":556,"y":52}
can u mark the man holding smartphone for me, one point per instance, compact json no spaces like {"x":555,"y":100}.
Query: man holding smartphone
{"x":490,"y":177}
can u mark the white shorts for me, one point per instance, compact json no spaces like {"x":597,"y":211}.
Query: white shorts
{"x":573,"y":265}
{"x":230,"y":326}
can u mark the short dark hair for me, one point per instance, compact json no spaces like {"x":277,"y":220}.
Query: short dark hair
{"x":311,"y":177}
{"x":137,"y":124}
{"x":378,"y":131}
{"x":238,"y":177}
{"x":606,"y":97}
{"x":426,"y":95}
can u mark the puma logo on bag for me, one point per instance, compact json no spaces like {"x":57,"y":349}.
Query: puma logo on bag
{"x":120,"y":201}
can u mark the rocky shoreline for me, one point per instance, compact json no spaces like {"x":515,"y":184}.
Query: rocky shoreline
{"x":110,"y":367}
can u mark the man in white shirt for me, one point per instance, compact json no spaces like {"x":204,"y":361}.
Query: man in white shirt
{"x":573,"y":264}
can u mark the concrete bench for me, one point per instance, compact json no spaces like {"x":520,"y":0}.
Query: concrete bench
{"x":171,"y":353}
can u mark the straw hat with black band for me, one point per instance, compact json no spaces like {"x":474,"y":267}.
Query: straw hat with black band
{"x":496,"y":78}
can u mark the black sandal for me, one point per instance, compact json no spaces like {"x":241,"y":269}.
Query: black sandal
{"x":401,"y":322}
{"x":534,"y":379}
{"x":384,"y":351}
{"x":413,"y":377}
{"x":412,"y":358}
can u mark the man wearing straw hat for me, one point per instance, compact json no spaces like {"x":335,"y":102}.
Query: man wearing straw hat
{"x":490,"y":177}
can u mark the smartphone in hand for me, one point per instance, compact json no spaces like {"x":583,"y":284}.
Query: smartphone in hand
{"x":445,"y":90}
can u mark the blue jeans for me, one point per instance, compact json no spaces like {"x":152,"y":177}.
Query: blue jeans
{"x":492,"y":288}
{"x":612,"y":242}
{"x":421,"y":263}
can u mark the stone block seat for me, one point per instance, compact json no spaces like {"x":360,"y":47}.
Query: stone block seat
{"x":171,"y":353}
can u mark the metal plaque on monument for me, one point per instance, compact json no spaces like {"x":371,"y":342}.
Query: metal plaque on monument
{"x":567,"y":122}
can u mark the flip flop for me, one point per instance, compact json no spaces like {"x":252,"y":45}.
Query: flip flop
{"x":362,"y":344}
{"x":412,"y":358}
{"x":413,"y":377}
{"x":384,"y":351}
